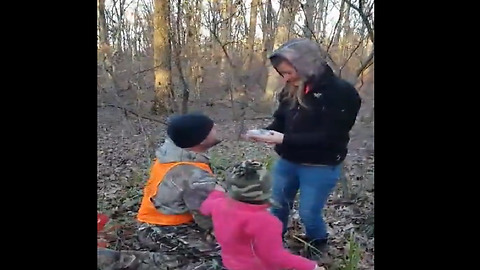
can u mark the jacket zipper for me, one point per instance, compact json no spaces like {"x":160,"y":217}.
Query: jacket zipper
{"x":294,"y":116}
{"x":296,"y":112}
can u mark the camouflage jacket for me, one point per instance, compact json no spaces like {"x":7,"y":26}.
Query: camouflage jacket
{"x":184,"y":187}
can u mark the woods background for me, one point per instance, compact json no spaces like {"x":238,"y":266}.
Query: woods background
{"x":159,"y":57}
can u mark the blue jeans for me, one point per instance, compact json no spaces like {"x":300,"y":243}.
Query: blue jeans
{"x":315,"y":184}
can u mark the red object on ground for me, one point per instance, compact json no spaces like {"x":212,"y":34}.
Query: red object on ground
{"x":101,"y":221}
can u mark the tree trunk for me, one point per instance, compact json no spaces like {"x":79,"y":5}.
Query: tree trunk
{"x":251,"y":32}
{"x":224,"y":37}
{"x":324,"y":20}
{"x":162,"y":58}
{"x":283,"y":30}
{"x":338,"y":26}
{"x":268,"y":41}
{"x":319,"y":20}
{"x":105,"y":51}
{"x":178,"y":59}
{"x":309,"y":28}
{"x":346,"y":40}
{"x":102,"y":22}
{"x":197,"y":68}
{"x":119,"y":27}
{"x":193,"y":71}
{"x":268,"y":31}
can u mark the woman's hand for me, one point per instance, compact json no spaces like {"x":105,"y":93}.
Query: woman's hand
{"x":273,"y":137}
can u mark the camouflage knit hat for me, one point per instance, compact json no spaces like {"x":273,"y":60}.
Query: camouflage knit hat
{"x":249,"y":182}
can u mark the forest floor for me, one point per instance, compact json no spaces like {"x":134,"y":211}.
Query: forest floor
{"x":126,"y":146}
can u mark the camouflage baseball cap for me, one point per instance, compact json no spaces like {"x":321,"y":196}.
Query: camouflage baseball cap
{"x":250,"y":182}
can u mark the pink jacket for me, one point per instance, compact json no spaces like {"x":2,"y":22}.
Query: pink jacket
{"x":250,"y":237}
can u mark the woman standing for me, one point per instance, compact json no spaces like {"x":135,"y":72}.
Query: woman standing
{"x":310,"y":131}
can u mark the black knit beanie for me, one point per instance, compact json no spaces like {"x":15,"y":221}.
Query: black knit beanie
{"x":189,"y":130}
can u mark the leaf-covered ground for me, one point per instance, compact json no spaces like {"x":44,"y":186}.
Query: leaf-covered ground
{"x":126,"y":147}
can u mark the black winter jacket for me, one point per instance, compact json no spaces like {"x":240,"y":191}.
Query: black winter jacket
{"x":318,"y":134}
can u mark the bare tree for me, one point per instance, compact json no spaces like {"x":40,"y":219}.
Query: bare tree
{"x":269,"y":26}
{"x":105,"y":51}
{"x":338,"y":26}
{"x":164,"y":97}
{"x":288,"y":12}
{"x":177,"y":41}
{"x":364,"y":9}
{"x":193,"y":19}
{"x":139,"y":46}
{"x":309,"y":8}
{"x":225,"y":33}
{"x":251,"y":32}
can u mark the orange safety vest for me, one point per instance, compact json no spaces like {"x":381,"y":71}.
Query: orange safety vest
{"x":147,"y":212}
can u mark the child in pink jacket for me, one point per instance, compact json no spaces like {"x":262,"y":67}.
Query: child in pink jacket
{"x":249,"y":236}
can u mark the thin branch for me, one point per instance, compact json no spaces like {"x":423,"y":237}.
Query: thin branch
{"x":332,"y":63}
{"x":363,"y":17}
{"x":133,"y":112}
{"x":366,"y":64}
{"x":335,"y":29}
{"x":351,"y":55}
{"x":145,"y":70}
